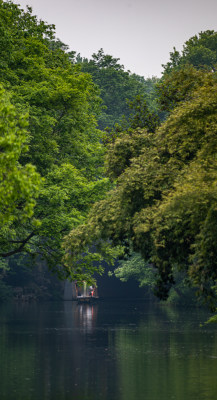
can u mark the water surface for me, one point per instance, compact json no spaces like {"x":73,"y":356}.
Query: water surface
{"x":113,"y":350}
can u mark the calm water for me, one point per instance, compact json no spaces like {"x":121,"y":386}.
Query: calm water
{"x":117,"y":350}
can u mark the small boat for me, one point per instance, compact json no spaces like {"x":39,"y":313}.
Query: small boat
{"x":87,"y":299}
{"x":86,"y":294}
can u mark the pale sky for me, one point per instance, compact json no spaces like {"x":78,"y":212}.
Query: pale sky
{"x":141,"y":33}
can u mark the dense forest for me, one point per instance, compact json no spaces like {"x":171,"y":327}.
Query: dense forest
{"x":99,"y":164}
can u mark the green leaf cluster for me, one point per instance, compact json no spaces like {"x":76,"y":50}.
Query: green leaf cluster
{"x":199,"y":51}
{"x":19,"y":185}
{"x":117,"y":87}
{"x":185,"y":71}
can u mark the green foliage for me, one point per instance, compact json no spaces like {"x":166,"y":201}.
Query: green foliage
{"x":179,"y":85}
{"x":19,"y":185}
{"x":199,"y":51}
{"x":124,"y":149}
{"x":144,"y":272}
{"x":185,"y":72}
{"x":135,"y":267}
{"x":55,"y":135}
{"x":116,"y":87}
{"x":165,"y":199}
{"x":140,"y":116}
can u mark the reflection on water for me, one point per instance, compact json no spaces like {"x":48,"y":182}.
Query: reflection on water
{"x":123,"y":350}
{"x":85,"y":316}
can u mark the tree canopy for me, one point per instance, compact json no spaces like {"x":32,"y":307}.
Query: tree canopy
{"x":163,"y":205}
{"x":185,"y":71}
{"x":52,"y":150}
{"x":199,"y":51}
{"x":117,"y":86}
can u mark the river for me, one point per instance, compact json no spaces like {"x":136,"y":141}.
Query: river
{"x":113,"y":350}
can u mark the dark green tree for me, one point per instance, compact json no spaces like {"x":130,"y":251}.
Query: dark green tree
{"x":141,"y":116}
{"x":116,"y":87}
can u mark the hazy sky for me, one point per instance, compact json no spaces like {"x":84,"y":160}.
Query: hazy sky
{"x":139,"y":32}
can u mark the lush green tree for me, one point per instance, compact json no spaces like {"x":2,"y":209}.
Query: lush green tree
{"x":116,"y":87}
{"x":63,"y":142}
{"x":199,"y":51}
{"x":185,"y":70}
{"x":179,"y":85}
{"x":164,"y":201}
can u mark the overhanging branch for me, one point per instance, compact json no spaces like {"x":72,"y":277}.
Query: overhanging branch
{"x":20,"y":248}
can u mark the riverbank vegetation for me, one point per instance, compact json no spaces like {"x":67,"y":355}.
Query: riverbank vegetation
{"x":163,"y":202}
{"x":98,"y":163}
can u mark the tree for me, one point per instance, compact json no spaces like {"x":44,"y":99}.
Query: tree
{"x":140,"y":116}
{"x":179,"y":85}
{"x":116,"y":87}
{"x":199,"y":51}
{"x":164,"y":201}
{"x":185,"y":71}
{"x":63,"y":142}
